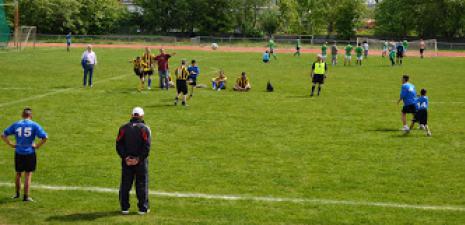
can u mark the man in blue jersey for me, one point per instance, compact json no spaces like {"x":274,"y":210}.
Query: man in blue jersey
{"x":68,"y":41}
{"x":194,"y":72}
{"x":25,"y":132}
{"x":409,"y":96}
{"x":400,"y":53}
{"x":421,"y":117}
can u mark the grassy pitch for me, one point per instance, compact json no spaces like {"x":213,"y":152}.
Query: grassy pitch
{"x":343,"y":149}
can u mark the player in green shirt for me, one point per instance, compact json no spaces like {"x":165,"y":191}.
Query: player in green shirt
{"x":297,"y":47}
{"x":359,"y":51}
{"x":348,"y":56}
{"x":324,"y":49}
{"x":392,"y":56}
{"x":271,"y":46}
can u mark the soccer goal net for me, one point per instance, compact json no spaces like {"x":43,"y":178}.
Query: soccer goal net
{"x":27,"y":36}
{"x":431,"y":45}
{"x":4,"y":27}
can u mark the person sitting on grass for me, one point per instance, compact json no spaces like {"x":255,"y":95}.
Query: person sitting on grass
{"x":219,"y":82}
{"x":242,"y":83}
{"x":266,"y":56}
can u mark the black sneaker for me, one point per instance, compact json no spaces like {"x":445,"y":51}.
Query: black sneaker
{"x":15,"y":196}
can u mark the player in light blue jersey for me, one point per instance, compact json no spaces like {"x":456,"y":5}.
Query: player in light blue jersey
{"x":409,"y":96}
{"x":25,"y":132}
{"x":266,"y":56}
{"x":421,"y":116}
{"x":194,"y":73}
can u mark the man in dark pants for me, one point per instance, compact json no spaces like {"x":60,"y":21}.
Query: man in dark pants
{"x":133,"y":146}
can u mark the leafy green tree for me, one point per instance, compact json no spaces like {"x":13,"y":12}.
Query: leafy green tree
{"x":269,"y":21}
{"x":289,"y":16}
{"x":348,"y":14}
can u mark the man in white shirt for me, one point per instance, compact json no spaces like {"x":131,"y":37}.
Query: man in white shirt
{"x":88,"y":62}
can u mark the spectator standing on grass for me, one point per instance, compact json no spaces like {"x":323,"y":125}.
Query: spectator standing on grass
{"x":68,"y":41}
{"x":133,"y":147}
{"x":365,"y":49}
{"x":88,"y":62}
{"x":334,"y":51}
{"x":422,"y":48}
{"x":25,"y":132}
{"x":163,"y":70}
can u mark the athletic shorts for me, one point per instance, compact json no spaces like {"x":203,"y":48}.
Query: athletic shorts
{"x":409,"y":109}
{"x":148,"y":72}
{"x":422,"y":50}
{"x":360,"y":58}
{"x":297,"y":48}
{"x":163,"y":73}
{"x":138,"y":72}
{"x":348,"y":57}
{"x":266,"y":61}
{"x":318,"y":78}
{"x":421,"y":117}
{"x":181,"y":86}
{"x":334,"y":56}
{"x":400,"y":54}
{"x":323,"y":55}
{"x":366,"y":52}
{"x":192,"y":80}
{"x":25,"y":163}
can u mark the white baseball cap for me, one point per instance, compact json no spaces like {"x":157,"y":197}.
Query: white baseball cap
{"x":138,"y":110}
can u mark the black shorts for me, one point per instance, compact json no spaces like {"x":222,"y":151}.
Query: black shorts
{"x":266,"y":61}
{"x":138,"y":72}
{"x":400,"y":54}
{"x":409,"y":109}
{"x":148,"y":72}
{"x":297,"y":48}
{"x":25,"y":163}
{"x":422,"y":50}
{"x":421,"y":117}
{"x":181,"y":86}
{"x":271,"y":51}
{"x":192,"y":80}
{"x":318,"y":78}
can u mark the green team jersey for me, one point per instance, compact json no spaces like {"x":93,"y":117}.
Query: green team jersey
{"x":359,"y":51}
{"x":392,"y":54}
{"x":271,"y":44}
{"x":297,"y":44}
{"x":323,"y":49}
{"x":349,"y":50}
{"x":405,"y":44}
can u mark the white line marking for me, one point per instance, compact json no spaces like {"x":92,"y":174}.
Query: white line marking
{"x":57,"y":92}
{"x":254,"y":198}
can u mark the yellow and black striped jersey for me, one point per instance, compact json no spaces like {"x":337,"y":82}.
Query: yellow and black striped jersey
{"x":138,"y":64}
{"x":148,"y":58}
{"x":241,"y":82}
{"x":181,"y":73}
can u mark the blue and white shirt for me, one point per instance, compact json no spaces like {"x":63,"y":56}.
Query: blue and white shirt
{"x":25,"y":132}
{"x":194,"y":71}
{"x":422,"y":103}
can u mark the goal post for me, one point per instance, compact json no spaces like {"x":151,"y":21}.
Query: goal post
{"x":431,"y":45}
{"x":27,"y":37}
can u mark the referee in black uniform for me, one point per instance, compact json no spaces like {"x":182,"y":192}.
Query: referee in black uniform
{"x":133,"y":146}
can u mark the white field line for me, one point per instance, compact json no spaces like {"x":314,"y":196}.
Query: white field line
{"x":56,"y":92}
{"x":253,"y":198}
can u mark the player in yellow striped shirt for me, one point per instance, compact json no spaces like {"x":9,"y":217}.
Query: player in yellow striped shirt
{"x":140,"y":69}
{"x":182,"y":75}
{"x":242,"y":83}
{"x":148,"y":59}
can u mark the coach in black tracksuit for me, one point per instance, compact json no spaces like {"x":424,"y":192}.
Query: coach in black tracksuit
{"x":133,"y":146}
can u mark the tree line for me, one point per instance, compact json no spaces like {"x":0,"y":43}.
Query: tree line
{"x":394,"y":18}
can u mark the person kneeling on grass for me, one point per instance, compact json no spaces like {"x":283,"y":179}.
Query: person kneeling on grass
{"x":181,"y":74}
{"x":242,"y":83}
{"x":421,"y":116}
{"x":219,"y":82}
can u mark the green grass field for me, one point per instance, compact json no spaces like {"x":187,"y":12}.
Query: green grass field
{"x":344,"y":145}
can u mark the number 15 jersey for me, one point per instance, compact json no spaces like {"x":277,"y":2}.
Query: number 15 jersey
{"x":25,"y":132}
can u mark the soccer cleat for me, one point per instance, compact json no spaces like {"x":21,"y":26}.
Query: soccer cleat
{"x":428,"y":134}
{"x":143,"y":212}
{"x":406,"y":129}
{"x":124,"y":212}
{"x":15,"y":196}
{"x":28,"y":199}
{"x":422,"y":127}
{"x":219,"y":89}
{"x":149,"y":88}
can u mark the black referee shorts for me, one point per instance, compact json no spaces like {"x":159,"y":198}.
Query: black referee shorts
{"x":25,"y":163}
{"x":318,"y":79}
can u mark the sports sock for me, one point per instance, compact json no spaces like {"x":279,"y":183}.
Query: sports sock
{"x":319,"y":90}
{"x":313,"y":89}
{"x":150,"y":82}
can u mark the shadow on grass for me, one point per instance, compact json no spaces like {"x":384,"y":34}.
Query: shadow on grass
{"x":385,"y":130}
{"x":91,"y":216}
